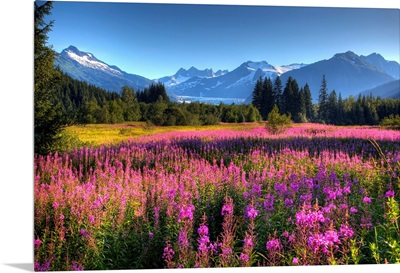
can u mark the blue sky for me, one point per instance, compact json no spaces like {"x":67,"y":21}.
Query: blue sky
{"x":155,"y":40}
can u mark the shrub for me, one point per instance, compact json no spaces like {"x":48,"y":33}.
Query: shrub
{"x":277,"y":123}
{"x":392,"y":121}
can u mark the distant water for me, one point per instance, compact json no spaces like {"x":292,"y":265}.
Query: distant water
{"x":210,"y":100}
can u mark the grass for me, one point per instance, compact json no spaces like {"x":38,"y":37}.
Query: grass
{"x":98,"y":134}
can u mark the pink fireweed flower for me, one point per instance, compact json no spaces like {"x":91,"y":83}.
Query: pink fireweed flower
{"x":353,"y":210}
{"x":77,"y":267}
{"x":295,"y":261}
{"x":168,"y":252}
{"x":91,"y":219}
{"x":274,"y":244}
{"x":186,"y":213}
{"x":37,"y":242}
{"x":202,"y":230}
{"x":62,"y":217}
{"x":389,"y":194}
{"x":226,"y":209}
{"x":248,"y":242}
{"x":331,"y":237}
{"x":244,"y":257}
{"x":83,"y":232}
{"x":56,"y":205}
{"x":345,"y":231}
{"x":251,"y":212}
{"x":366,"y":200}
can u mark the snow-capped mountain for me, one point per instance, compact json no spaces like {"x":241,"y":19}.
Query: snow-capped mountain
{"x":233,"y":86}
{"x":183,"y":75}
{"x":346,"y":73}
{"x":86,"y":67}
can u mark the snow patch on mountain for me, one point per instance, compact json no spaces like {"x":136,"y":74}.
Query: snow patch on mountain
{"x":89,"y":61}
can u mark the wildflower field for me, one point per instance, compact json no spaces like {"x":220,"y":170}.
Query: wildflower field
{"x":314,"y":195}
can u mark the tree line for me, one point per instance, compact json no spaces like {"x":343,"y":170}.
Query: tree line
{"x":331,"y":108}
{"x":83,"y":103}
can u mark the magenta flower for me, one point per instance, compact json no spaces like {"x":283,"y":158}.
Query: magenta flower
{"x":168,"y":252}
{"x":244,"y":257}
{"x":83,"y":232}
{"x":251,"y":212}
{"x":295,"y":261}
{"x":91,"y":219}
{"x":274,"y":244}
{"x":202,"y":230}
{"x":77,"y":267}
{"x":37,"y":242}
{"x":389,"y":194}
{"x":366,"y":200}
{"x":345,"y":231}
{"x":226,"y":209}
{"x":353,"y":210}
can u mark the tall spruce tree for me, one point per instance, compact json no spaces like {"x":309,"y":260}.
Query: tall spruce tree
{"x":332,"y":108}
{"x":48,"y":121}
{"x":308,"y":103}
{"x":323,"y":110}
{"x":257,"y":94}
{"x":278,"y":93}
{"x":268,"y":100}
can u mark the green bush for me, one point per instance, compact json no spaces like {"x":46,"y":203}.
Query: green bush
{"x":392,"y":121}
{"x":277,"y":123}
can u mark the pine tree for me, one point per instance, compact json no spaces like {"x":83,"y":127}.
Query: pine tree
{"x":48,"y":122}
{"x":267,"y":98}
{"x":257,"y":94}
{"x":323,"y":110}
{"x":278,"y":92}
{"x":308,"y":103}
{"x":332,"y":108}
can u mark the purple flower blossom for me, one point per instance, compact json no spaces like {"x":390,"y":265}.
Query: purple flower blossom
{"x":269,"y":202}
{"x":288,"y":203}
{"x":274,"y":244}
{"x":345,"y":231}
{"x":77,"y":267}
{"x":186,"y":213}
{"x":389,"y":194}
{"x":366,"y":200}
{"x":151,"y":235}
{"x":226,"y":209}
{"x":251,"y":212}
{"x":83,"y":232}
{"x":56,"y":205}
{"x":91,"y":219}
{"x":244,"y":257}
{"x":202,"y":230}
{"x":331,"y":237}
{"x":37,"y":242}
{"x":43,"y":267}
{"x":62,"y":217}
{"x":353,"y":210}
{"x":168,"y":252}
{"x":295,"y":261}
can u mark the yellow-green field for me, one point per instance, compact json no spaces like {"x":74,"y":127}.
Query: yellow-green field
{"x":98,"y":134}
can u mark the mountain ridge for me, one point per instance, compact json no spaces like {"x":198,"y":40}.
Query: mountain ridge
{"x":346,"y":72}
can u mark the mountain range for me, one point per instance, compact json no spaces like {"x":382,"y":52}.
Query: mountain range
{"x":347,"y":73}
